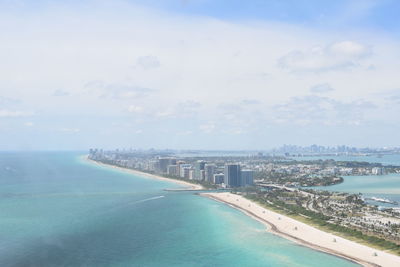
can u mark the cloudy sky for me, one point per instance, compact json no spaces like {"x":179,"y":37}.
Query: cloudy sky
{"x":201,"y":74}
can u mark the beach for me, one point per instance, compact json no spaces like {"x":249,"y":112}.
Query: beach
{"x":287,"y":227}
{"x":188,"y":185}
{"x":307,"y":235}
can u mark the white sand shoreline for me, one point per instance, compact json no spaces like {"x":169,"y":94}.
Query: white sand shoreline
{"x":287,"y":227}
{"x":147,"y":175}
{"x":307,"y":235}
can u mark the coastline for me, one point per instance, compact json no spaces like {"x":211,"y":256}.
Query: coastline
{"x":307,"y":235}
{"x":146,"y":175}
{"x":284,"y":226}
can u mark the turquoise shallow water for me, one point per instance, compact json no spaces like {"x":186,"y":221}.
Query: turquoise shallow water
{"x":57,"y":210}
{"x":383,"y":186}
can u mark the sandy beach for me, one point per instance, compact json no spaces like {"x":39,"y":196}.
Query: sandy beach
{"x":148,"y":175}
{"x":307,"y":235}
{"x":287,"y":227}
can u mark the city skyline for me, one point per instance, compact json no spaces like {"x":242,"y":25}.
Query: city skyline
{"x":198,"y":74}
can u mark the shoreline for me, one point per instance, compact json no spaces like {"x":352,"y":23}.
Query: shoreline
{"x":145,"y":175}
{"x":285,"y":227}
{"x":307,"y":235}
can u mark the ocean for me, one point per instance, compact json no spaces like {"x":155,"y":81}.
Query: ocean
{"x":56,"y":209}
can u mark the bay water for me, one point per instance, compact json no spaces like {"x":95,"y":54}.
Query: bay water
{"x":380,"y":186}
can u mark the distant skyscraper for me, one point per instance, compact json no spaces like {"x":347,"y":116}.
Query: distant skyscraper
{"x":184,"y":170}
{"x":172,"y":161}
{"x":209,"y":170}
{"x":178,"y":166}
{"x":192,"y":174}
{"x":153,"y":165}
{"x":172,"y":170}
{"x":378,"y":171}
{"x":218,"y":178}
{"x":186,"y":173}
{"x":247,"y":177}
{"x":232,"y":175}
{"x":198,"y":168}
{"x":163,"y":164}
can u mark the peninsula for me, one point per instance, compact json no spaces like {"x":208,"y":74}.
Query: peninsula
{"x":337,"y":223}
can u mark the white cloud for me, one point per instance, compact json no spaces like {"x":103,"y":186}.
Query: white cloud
{"x":392,"y":96}
{"x":7,"y":100}
{"x":185,"y":133}
{"x":60,"y":92}
{"x":148,"y":62}
{"x":207,"y":128}
{"x":238,"y":131}
{"x":164,"y":114}
{"x":349,"y":49}
{"x":70,"y":130}
{"x":29,"y":124}
{"x":319,"y":110}
{"x":117,"y":90}
{"x":135,"y":109}
{"x":321,"y":88}
{"x":337,"y":56}
{"x":4,"y":113}
{"x":188,"y":109}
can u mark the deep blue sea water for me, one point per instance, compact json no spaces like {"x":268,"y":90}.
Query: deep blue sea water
{"x":58,"y":210}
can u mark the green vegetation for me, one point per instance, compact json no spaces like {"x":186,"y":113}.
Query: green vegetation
{"x":301,"y":180}
{"x":322,"y":222}
{"x":333,"y":163}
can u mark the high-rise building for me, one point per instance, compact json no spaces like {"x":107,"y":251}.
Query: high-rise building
{"x":378,"y":171}
{"x":178,"y":166}
{"x":191,"y":174}
{"x":198,"y":168}
{"x":209,"y":170}
{"x":246,"y":177}
{"x":153,"y":165}
{"x":172,"y":170}
{"x":232,"y":175}
{"x":163,"y":164}
{"x":184,"y":170}
{"x":218,"y":178}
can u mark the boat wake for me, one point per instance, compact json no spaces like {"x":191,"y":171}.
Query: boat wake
{"x":147,"y":199}
{"x":128,"y":204}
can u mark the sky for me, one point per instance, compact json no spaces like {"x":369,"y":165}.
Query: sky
{"x":201,"y":74}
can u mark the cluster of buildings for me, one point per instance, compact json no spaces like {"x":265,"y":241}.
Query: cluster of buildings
{"x":238,"y":171}
{"x":301,"y":170}
{"x":378,"y":171}
{"x":318,"y":149}
{"x":229,"y":175}
{"x":222,"y":174}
